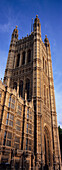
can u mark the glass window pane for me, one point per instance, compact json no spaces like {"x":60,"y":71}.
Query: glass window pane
{"x":10,"y":123}
{"x":9,"y":136}
{"x":18,"y":128}
{"x":7,"y":115}
{"x":7,"y":122}
{"x":8,"y":143}
{"x":18,"y":122}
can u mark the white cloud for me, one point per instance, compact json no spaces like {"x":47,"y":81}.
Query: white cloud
{"x":5,"y":27}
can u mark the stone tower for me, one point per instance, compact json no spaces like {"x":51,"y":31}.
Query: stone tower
{"x":29,"y":69}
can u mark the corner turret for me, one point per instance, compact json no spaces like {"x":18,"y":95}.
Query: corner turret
{"x":15,"y":34}
{"x":37,"y":25}
{"x":46,"y":41}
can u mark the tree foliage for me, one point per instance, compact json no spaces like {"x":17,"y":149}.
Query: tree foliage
{"x":60,"y":138}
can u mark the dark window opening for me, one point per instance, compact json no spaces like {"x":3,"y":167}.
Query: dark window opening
{"x":23,"y":58}
{"x":21,"y":89}
{"x":28,"y":88}
{"x":43,"y":63}
{"x":15,"y":86}
{"x":18,"y":60}
{"x":4,"y":138}
{"x":29,"y":56}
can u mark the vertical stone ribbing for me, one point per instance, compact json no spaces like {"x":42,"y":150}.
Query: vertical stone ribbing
{"x":55,"y":137}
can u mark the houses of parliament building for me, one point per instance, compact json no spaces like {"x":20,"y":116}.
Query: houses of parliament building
{"x":28,"y":119}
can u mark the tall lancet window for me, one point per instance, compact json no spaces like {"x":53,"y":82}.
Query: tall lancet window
{"x":21,"y":89}
{"x":23,"y":58}
{"x":28,"y":88}
{"x":18,"y":60}
{"x":28,"y":56}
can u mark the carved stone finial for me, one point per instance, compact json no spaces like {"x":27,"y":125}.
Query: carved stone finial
{"x":16,"y":26}
{"x":36,"y":16}
{"x":45,"y":36}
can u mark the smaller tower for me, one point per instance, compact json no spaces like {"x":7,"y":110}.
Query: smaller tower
{"x":11,"y":55}
{"x":37,"y":25}
{"x":55,"y":137}
{"x":14,"y":35}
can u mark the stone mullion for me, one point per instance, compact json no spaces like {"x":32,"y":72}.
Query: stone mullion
{"x":20,"y":59}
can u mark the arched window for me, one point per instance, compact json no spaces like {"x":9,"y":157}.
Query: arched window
{"x":21,"y":89}
{"x":28,"y":56}
{"x":23,"y":58}
{"x":28,"y":88}
{"x":18,"y":60}
{"x":15,"y":86}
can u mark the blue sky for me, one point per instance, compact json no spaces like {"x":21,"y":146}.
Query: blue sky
{"x":20,"y":13}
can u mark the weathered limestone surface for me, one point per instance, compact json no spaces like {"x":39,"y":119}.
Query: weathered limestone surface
{"x":28,"y":119}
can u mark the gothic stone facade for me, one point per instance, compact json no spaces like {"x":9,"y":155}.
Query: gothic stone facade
{"x":28,"y":127}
